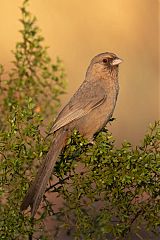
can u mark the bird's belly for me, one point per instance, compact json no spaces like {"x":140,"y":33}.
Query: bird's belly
{"x":94,"y":120}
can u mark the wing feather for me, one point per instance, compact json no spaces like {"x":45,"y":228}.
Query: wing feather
{"x":87,"y":98}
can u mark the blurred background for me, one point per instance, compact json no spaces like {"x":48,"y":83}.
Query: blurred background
{"x":76,"y":30}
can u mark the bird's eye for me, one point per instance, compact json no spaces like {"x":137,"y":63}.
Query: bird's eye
{"x":105,"y":60}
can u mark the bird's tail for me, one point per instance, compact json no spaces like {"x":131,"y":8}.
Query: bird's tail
{"x":37,"y":189}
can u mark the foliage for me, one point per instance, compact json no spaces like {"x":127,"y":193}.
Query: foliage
{"x":108,"y":191}
{"x":116,"y":191}
{"x":29,"y":92}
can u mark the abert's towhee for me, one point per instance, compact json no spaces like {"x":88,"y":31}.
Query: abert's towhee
{"x":88,"y":111}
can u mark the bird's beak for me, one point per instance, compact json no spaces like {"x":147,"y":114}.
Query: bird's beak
{"x":116,"y":61}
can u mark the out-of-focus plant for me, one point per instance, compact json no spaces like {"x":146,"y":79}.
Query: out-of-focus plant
{"x":28,"y":93}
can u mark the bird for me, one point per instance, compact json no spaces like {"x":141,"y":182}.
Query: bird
{"x":88,"y":111}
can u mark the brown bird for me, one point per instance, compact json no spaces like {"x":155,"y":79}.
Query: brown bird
{"x":89,"y":110}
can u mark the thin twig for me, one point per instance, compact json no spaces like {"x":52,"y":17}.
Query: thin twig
{"x":61,"y":181}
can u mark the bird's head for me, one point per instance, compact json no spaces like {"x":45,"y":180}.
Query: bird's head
{"x":104,"y":63}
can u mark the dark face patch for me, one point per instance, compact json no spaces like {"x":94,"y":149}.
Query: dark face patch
{"x":107,"y":61}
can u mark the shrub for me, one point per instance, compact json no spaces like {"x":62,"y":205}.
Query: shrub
{"x":30,"y":91}
{"x":108,"y":192}
{"x":117,"y":190}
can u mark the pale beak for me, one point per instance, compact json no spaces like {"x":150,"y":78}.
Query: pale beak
{"x":116,"y":61}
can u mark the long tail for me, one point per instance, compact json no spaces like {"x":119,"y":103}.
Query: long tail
{"x":35,"y":192}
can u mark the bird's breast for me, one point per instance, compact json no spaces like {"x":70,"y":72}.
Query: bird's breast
{"x":96,"y":119}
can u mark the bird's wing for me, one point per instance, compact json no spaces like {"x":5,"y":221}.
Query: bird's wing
{"x":88,"y":97}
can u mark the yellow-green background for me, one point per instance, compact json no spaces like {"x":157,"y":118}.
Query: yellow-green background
{"x":76,"y":30}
